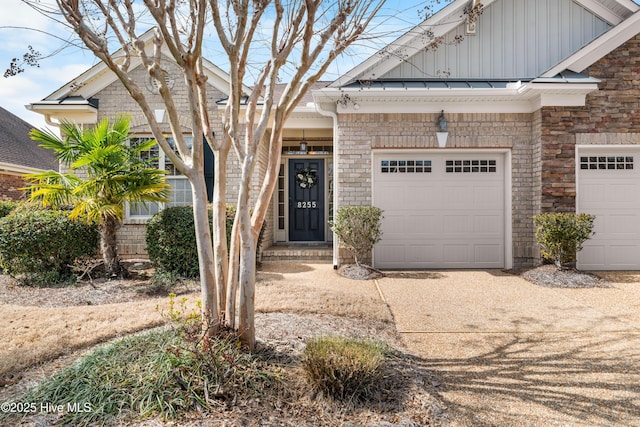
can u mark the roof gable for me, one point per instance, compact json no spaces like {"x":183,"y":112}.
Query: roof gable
{"x":515,"y":39}
{"x":100,"y":76}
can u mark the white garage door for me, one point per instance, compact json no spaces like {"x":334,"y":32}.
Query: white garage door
{"x":441,"y":210}
{"x":609,"y":188}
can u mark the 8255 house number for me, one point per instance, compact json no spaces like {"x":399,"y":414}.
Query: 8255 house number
{"x":307,"y":205}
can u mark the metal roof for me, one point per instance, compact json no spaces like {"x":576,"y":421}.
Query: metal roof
{"x":430,"y":84}
{"x":562,"y":77}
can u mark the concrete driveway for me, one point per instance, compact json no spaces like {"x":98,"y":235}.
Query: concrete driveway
{"x":506,"y":352}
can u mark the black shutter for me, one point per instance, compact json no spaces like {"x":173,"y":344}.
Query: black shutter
{"x":208,"y":170}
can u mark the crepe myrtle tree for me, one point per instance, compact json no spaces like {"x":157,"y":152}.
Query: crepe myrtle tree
{"x":300,"y":38}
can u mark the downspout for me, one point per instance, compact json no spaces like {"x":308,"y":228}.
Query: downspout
{"x":336,"y":175}
{"x":47,"y":120}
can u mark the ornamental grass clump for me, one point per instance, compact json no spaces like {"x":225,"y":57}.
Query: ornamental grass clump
{"x":165,"y":373}
{"x":561,"y":235}
{"x":344,"y":368}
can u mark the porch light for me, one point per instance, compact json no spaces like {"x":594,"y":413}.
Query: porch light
{"x":303,"y":143}
{"x":442,"y":133}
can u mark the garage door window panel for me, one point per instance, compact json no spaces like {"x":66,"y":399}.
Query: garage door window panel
{"x":606,"y":163}
{"x":405,"y":166}
{"x":471,"y":166}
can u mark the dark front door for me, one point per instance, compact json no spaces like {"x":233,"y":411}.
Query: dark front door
{"x":306,"y":200}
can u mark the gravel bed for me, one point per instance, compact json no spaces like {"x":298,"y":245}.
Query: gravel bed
{"x":550,"y":277}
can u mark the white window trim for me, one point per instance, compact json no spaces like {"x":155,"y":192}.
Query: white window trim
{"x":143,"y":219}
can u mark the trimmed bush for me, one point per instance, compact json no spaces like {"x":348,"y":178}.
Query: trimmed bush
{"x":561,"y":235}
{"x":6,"y":207}
{"x":171,"y":240}
{"x":39,"y":247}
{"x":343,"y":368}
{"x":358,"y":228}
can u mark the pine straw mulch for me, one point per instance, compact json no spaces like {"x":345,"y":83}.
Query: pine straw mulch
{"x":549,"y":276}
{"x":406,"y":397}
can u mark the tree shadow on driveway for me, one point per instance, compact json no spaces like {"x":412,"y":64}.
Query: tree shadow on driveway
{"x":535,"y":379}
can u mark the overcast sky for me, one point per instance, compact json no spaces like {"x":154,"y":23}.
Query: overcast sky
{"x":18,"y":21}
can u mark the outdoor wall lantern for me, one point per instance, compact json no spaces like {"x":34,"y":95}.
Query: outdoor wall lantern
{"x":441,"y":133}
{"x":303,"y":143}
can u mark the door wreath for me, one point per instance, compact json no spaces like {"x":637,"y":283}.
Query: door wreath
{"x":306,"y":177}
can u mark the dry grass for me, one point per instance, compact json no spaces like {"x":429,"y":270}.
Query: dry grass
{"x":50,"y":328}
{"x":34,"y":334}
{"x":317,"y":289}
{"x":295,"y":302}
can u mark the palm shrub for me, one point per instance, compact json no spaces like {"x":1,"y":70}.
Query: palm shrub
{"x":105,"y":172}
{"x":358,"y":228}
{"x":561,"y":235}
{"x":344,"y":368}
{"x":39,"y":247}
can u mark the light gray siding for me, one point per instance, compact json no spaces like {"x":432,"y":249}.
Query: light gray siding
{"x":515,"y":39}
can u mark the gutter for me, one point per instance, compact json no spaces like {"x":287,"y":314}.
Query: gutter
{"x":336,"y":175}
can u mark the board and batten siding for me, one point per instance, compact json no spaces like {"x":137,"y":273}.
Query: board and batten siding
{"x":516,"y":39}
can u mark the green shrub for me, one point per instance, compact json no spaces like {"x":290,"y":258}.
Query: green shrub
{"x":163,"y":281}
{"x":6,"y":207}
{"x":561,"y":235}
{"x":39,"y":247}
{"x":171,"y":240}
{"x":342,"y":368}
{"x":358,"y":228}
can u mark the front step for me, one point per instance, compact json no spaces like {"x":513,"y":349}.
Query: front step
{"x":300,"y":252}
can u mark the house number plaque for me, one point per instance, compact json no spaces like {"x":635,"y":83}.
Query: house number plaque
{"x":307,"y":205}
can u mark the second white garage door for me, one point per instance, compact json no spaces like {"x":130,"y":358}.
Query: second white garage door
{"x":609,"y":188}
{"x":441,"y":210}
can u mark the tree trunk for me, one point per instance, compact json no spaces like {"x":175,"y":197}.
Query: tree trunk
{"x":220,"y":249}
{"x":210,"y":312}
{"x":247,"y":274}
{"x":232,"y":278}
{"x":247,"y":284}
{"x":109,"y":247}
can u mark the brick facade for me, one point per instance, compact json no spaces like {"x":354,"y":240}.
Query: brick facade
{"x":114,"y":99}
{"x":614,"y":110}
{"x":10,"y":187}
{"x":360,"y":133}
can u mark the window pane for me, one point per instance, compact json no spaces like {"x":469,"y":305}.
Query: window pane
{"x":180,"y":192}
{"x":142,"y":209}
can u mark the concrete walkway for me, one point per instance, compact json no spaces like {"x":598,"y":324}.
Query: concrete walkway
{"x":507,"y":352}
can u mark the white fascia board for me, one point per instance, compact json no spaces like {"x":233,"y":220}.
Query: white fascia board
{"x":525,"y":98}
{"x":78,"y":112}
{"x":384,"y":60}
{"x":599,"y":47}
{"x":46,"y":107}
{"x":601,"y":11}
{"x":14,"y":169}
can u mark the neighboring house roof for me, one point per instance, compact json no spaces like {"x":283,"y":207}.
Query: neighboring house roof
{"x":18,"y":153}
